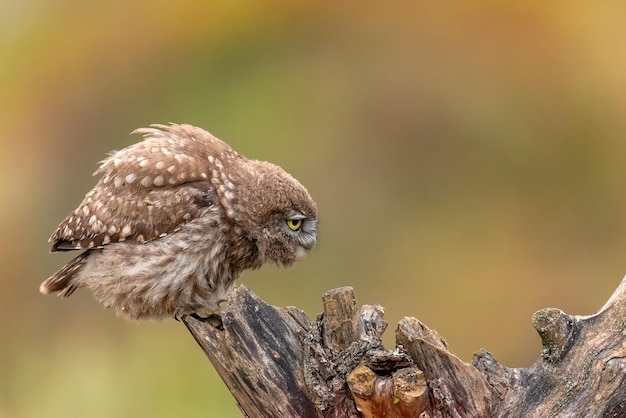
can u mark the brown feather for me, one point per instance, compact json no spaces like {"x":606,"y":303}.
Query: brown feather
{"x":61,"y":280}
{"x":147,"y":190}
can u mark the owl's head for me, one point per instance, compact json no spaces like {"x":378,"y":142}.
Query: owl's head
{"x":275,"y":212}
{"x":286,"y":237}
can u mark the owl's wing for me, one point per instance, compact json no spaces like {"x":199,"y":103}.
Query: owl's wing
{"x":133,"y":215}
{"x":148,"y":190}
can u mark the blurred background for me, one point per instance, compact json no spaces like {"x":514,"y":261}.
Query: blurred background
{"x":467,"y":160}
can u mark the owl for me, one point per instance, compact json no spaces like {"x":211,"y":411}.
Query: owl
{"x":174,"y":221}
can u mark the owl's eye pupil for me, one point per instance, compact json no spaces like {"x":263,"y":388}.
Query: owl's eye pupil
{"x":294,"y":224}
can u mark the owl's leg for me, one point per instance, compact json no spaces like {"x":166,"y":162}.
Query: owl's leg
{"x":182,"y":311}
{"x":214,"y":319}
{"x":210,"y":310}
{"x":203,"y":313}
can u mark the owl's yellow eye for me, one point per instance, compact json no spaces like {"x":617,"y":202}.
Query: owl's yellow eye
{"x":294,"y":224}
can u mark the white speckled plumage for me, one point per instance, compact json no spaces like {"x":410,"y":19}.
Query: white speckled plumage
{"x":174,"y":220}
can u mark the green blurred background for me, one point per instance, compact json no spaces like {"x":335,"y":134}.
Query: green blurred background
{"x":467,"y":160}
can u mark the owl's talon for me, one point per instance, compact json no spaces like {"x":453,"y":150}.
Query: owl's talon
{"x":178,"y":314}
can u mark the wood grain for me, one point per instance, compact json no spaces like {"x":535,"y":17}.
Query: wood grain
{"x":278,"y":363}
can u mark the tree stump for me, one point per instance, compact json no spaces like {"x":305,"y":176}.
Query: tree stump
{"x":277,"y":363}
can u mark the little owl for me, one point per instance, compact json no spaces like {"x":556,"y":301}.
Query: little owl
{"x":175,"y":220}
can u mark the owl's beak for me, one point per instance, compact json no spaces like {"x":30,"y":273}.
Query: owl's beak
{"x":310,"y":244}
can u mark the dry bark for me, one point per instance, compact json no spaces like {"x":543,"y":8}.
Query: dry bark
{"x":277,"y":363}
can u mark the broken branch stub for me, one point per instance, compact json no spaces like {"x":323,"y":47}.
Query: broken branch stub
{"x":277,"y":363}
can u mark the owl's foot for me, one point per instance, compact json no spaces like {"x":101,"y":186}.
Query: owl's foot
{"x":213,"y":319}
{"x":179,"y":313}
{"x":205,"y":314}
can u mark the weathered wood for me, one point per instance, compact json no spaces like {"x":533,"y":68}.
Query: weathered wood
{"x":454,"y":386}
{"x":582,"y":370}
{"x":254,"y":348}
{"x":277,"y":363}
{"x":341,"y":324}
{"x":399,"y":394}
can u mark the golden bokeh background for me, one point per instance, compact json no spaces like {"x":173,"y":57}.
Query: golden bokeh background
{"x":467,"y":159}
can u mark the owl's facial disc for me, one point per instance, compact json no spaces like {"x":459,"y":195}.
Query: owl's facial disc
{"x":287,"y":238}
{"x":303,"y":229}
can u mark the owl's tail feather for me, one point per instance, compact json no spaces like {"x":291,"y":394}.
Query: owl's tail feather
{"x":61,"y":281}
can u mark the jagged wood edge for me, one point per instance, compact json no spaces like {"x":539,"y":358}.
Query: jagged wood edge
{"x":582,"y":359}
